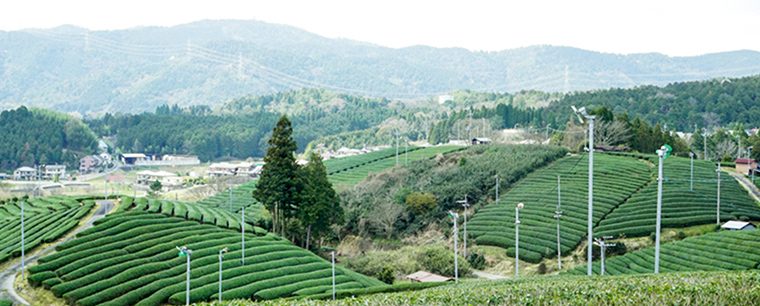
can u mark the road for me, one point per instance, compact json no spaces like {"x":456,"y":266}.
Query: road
{"x":488,"y":276}
{"x":747,"y":184}
{"x":7,"y":277}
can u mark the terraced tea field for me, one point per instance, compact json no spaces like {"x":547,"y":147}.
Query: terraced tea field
{"x":724,"y":250}
{"x":45,"y":220}
{"x":616,"y":178}
{"x":188,"y":211}
{"x":354,"y":175}
{"x":242,"y":196}
{"x":680,"y":206}
{"x":129,"y":258}
{"x":336,"y":165}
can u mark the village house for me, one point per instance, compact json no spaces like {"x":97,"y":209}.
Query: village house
{"x":169,"y":181}
{"x":51,"y":172}
{"x":25,"y":174}
{"x":744,"y":165}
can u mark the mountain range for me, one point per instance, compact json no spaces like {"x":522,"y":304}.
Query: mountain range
{"x":212,"y":62}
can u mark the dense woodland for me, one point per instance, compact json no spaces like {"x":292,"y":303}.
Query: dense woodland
{"x":34,"y":137}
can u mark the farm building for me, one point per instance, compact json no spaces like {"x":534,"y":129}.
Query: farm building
{"x":91,"y":163}
{"x":235,"y":169}
{"x":132,"y":158}
{"x":427,"y":277}
{"x":169,"y":181}
{"x":744,"y":165}
{"x":737,"y":226}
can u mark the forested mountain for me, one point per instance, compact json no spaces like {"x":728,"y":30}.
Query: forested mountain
{"x":31,"y":137}
{"x":678,"y":106}
{"x":211,"y":62}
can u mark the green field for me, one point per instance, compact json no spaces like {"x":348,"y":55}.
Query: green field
{"x":129,"y":258}
{"x":336,"y":165}
{"x":352,"y":176}
{"x":242,"y":196}
{"x":724,"y":250}
{"x":189,"y":211}
{"x":616,"y":178}
{"x":680,"y":206}
{"x":702,"y":288}
{"x":46,"y":220}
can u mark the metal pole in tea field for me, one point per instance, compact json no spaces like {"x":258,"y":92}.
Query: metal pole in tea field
{"x":691,"y":179}
{"x":517,"y":239}
{"x":465,"y":205}
{"x":333,"y":275}
{"x":221,"y":256}
{"x":242,"y":234}
{"x":718,"y":196}
{"x":661,"y":156}
{"x":455,"y":217}
{"x":558,"y":215}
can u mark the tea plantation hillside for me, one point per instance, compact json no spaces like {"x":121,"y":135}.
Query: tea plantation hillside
{"x":242,"y":196}
{"x":189,"y":211}
{"x":616,"y":179}
{"x":336,"y":165}
{"x":363,"y":167}
{"x":696,"y":288}
{"x":129,"y":258}
{"x":45,"y":220}
{"x":725,"y":250}
{"x":680,"y":206}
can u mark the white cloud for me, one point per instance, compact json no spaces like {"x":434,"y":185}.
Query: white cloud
{"x":673,"y":27}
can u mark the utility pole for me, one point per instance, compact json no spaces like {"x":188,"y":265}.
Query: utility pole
{"x":23,"y":246}
{"x":333,"y":275}
{"x":221,"y":256}
{"x":691,"y":179}
{"x":704,"y":142}
{"x":465,"y":205}
{"x":396,"y":147}
{"x":517,"y":239}
{"x":497,"y":188}
{"x":242,"y":235}
{"x":455,"y":217}
{"x":558,"y":215}
{"x":602,"y":243}
{"x":718,"y":197}
{"x":582,"y":113}
{"x":661,"y":157}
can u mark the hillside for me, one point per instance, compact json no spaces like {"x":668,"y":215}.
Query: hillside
{"x":210,"y":62}
{"x":34,"y":137}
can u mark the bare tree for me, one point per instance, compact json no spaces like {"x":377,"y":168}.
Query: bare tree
{"x":384,"y":216}
{"x":610,"y":133}
{"x":574,"y":137}
{"x":725,"y":148}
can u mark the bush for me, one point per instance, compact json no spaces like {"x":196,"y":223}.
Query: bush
{"x":387,"y":275}
{"x":477,"y":261}
{"x":541,"y":269}
{"x":440,"y":260}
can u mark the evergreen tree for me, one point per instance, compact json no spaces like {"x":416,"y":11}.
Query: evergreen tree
{"x":320,"y":205}
{"x":279,"y":186}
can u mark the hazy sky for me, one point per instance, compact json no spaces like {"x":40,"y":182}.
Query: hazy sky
{"x":677,"y":27}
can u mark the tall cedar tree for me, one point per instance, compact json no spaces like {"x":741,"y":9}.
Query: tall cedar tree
{"x":280,"y":185}
{"x":320,"y":206}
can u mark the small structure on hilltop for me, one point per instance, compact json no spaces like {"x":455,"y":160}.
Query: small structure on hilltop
{"x":427,"y":277}
{"x":737,"y":226}
{"x":745,"y":165}
{"x":481,"y":140}
{"x":169,"y":181}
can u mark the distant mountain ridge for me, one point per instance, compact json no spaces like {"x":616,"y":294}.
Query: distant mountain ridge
{"x":212,"y":62}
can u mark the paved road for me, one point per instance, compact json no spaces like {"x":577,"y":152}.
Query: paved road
{"x":7,"y":277}
{"x":488,"y":276}
{"x":747,"y":183}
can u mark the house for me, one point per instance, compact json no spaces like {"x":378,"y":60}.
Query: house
{"x":744,"y":165}
{"x":427,"y":277}
{"x":737,"y":226}
{"x":4,"y":176}
{"x":235,"y":169}
{"x":25,"y":174}
{"x":90,"y":163}
{"x":481,"y":140}
{"x":132,"y":158}
{"x":168,"y":180}
{"x":51,"y":172}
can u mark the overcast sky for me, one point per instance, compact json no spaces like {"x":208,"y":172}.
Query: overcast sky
{"x":673,"y":27}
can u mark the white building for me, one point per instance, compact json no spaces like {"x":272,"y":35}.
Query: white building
{"x":50,"y":172}
{"x":235,"y":169}
{"x":737,"y":226}
{"x":168,"y":180}
{"x":25,"y":174}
